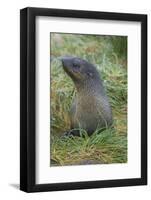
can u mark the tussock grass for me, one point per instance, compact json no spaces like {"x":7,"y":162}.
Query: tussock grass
{"x":107,"y":146}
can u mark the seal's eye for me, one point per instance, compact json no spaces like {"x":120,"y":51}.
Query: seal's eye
{"x":76,"y":66}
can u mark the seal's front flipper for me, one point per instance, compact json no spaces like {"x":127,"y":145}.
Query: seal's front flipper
{"x":71,"y":133}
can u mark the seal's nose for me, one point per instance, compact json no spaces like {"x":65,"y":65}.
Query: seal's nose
{"x":62,"y":58}
{"x":66,"y":60}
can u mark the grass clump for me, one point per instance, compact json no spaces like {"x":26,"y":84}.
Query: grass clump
{"x":105,"y":146}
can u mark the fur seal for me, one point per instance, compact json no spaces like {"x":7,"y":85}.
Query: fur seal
{"x":90,"y":109}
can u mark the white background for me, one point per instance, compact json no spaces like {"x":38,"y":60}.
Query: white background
{"x":9,"y":99}
{"x":131,"y":169}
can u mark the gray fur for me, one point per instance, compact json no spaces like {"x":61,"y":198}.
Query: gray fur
{"x":90,"y":109}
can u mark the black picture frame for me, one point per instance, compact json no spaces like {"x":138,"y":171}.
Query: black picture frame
{"x":28,"y":99}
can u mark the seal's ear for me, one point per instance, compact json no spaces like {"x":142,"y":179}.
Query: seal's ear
{"x":90,"y":74}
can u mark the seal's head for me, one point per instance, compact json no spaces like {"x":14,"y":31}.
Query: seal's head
{"x":79,"y":70}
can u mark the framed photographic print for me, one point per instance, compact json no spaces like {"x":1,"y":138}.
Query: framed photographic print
{"x":83,"y":99}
